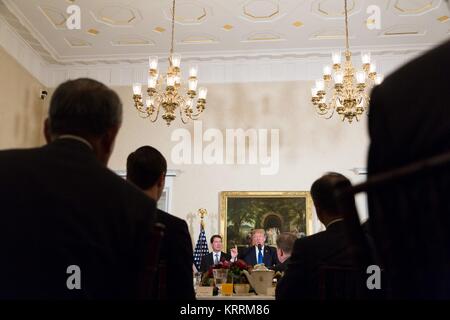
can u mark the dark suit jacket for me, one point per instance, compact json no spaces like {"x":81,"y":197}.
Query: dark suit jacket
{"x":270,"y":258}
{"x":282,"y":266}
{"x":61,"y":207}
{"x":208,"y":260}
{"x":409,"y":121}
{"x":326,"y":248}
{"x":176,"y":253}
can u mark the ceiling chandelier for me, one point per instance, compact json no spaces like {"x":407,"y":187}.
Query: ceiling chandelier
{"x":166,"y":92}
{"x":348,"y":88}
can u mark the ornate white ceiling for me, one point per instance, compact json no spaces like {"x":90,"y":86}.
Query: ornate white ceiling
{"x":130,"y":30}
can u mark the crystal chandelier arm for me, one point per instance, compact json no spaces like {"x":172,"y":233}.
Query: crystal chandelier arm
{"x":157,"y":108}
{"x":183,"y":107}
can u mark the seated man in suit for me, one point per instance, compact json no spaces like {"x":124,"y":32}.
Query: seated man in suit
{"x":216,"y":255}
{"x":79,"y":215}
{"x":146,"y":168}
{"x":327,"y":248}
{"x":259,"y":253}
{"x":285,"y":244}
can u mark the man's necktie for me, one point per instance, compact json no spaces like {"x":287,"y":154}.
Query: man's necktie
{"x":216,"y":260}
{"x":260,"y":256}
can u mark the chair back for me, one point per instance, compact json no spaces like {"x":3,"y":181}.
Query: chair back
{"x":342,"y":283}
{"x":148,"y":277}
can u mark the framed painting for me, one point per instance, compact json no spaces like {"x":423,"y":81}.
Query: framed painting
{"x":281,"y":211}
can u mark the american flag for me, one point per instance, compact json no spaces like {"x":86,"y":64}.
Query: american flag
{"x":201,"y":248}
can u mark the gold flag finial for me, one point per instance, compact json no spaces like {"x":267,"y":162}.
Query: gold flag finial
{"x":202,"y":212}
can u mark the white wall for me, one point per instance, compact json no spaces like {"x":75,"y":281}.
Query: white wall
{"x":309,"y":145}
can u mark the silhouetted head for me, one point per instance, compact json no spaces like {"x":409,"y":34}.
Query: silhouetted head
{"x":88,"y":109}
{"x":322,"y":193}
{"x":285,"y":244}
{"x":146,"y":168}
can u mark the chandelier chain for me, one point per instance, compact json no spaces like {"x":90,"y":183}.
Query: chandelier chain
{"x":173,"y":28}
{"x":346,"y":27}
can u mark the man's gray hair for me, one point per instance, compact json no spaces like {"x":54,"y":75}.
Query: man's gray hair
{"x":285,"y":242}
{"x":84,"y":107}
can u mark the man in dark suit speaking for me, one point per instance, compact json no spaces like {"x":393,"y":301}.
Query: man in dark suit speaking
{"x":259,"y":253}
{"x":216,"y":256}
{"x":69,"y":227}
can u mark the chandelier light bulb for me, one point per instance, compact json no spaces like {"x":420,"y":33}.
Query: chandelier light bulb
{"x":361,"y":77}
{"x":193,"y":84}
{"x":314,"y":92}
{"x":152,"y":81}
{"x":327,"y":70}
{"x":320,"y":85}
{"x":202,"y":92}
{"x":373,"y":68}
{"x":170,"y":80}
{"x":153,"y":63}
{"x":379,"y":79}
{"x":177,"y":79}
{"x":339,"y":77}
{"x":365,"y":57}
{"x":176,"y":60}
{"x":137,"y":89}
{"x":193,"y":71}
{"x":336,"y":57}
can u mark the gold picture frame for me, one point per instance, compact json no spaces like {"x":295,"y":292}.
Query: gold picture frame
{"x":242,"y":211}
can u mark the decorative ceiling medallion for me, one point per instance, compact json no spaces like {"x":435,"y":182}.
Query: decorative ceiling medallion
{"x":261,"y":10}
{"x":333,"y":8}
{"x":55,"y":16}
{"x":403,"y":31}
{"x":267,"y":36}
{"x":416,"y":7}
{"x":443,"y":19}
{"x":189,"y":13}
{"x":77,"y":42}
{"x":117,"y":16}
{"x":132,"y":41}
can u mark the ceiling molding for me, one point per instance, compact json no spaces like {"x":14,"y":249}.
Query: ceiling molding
{"x":12,"y":43}
{"x":20,"y":17}
{"x":235,"y":70}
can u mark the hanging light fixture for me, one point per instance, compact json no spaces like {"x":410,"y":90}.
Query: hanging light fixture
{"x":348,"y":88}
{"x":166,"y":91}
